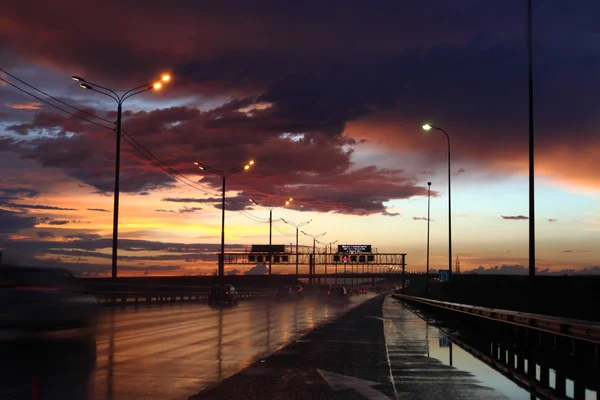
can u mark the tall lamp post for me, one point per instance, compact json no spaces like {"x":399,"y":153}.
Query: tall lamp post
{"x":271,"y":207}
{"x":314,"y":237}
{"x":428,"y":220}
{"x":330,"y":245}
{"x":223,"y":175}
{"x":531,"y":148}
{"x":428,"y":127}
{"x":297,"y":226}
{"x":119,"y":96}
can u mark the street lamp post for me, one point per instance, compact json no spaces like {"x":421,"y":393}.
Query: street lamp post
{"x":330,"y":245}
{"x":223,"y":175}
{"x":428,"y":127}
{"x":297,"y":226}
{"x":428,"y":220}
{"x":271,"y":208}
{"x":119,"y":99}
{"x":314,"y":237}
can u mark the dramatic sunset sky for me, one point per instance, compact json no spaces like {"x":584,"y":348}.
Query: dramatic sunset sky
{"x":328,"y":97}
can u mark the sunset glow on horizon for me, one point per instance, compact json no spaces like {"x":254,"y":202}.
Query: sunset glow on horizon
{"x":332,"y":116}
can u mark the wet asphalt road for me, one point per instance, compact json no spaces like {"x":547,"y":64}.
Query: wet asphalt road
{"x":159,"y":351}
{"x":380,"y":350}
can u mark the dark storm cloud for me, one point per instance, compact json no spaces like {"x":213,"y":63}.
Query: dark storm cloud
{"x":38,"y":207}
{"x":419,"y":218}
{"x":336,"y":65}
{"x":189,"y":209}
{"x":17,"y":193}
{"x":514,"y":217}
{"x":97,"y":209}
{"x":552,"y":220}
{"x":12,"y":222}
{"x":49,"y":252}
{"x":43,"y":234}
{"x":58,"y":222}
{"x":83,"y":236}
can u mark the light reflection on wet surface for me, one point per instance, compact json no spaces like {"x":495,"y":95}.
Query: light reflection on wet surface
{"x":161,"y":351}
{"x":416,"y":347}
{"x":445,"y":345}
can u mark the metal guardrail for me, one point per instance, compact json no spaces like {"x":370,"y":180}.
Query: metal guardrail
{"x":113,"y":297}
{"x":572,"y":328}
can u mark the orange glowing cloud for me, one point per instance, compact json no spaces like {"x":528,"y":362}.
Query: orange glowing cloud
{"x":25,"y":106}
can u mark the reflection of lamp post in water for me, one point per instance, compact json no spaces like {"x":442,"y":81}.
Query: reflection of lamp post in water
{"x":220,"y":345}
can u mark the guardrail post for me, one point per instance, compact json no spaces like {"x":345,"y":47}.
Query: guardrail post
{"x":560,"y":378}
{"x":531,"y":350}
{"x":579,"y":366}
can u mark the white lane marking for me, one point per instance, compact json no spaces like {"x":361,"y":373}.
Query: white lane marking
{"x":360,"y":386}
{"x":379,"y":318}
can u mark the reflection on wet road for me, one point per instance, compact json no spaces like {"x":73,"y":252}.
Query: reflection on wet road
{"x":162,"y":351}
{"x":426,"y":364}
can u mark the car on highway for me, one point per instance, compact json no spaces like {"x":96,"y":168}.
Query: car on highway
{"x":223,"y":293}
{"x":297,"y":291}
{"x":338,"y":293}
{"x":40,"y":302}
{"x":323,"y":290}
{"x":362,"y":291}
{"x":282,"y":293}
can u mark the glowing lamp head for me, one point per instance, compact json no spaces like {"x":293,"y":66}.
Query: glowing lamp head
{"x":427,"y":127}
{"x":157,"y":85}
{"x":251,"y":162}
{"x":77,"y":78}
{"x":246,"y":167}
{"x":85,"y":86}
{"x":166,"y":78}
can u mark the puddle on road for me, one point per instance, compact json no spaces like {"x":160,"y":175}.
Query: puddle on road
{"x":438,"y":345}
{"x":441,"y":348}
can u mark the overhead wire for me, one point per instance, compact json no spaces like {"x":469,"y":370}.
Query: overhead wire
{"x":130,"y":140}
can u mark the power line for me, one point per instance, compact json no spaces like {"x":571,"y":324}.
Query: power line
{"x":54,"y":105}
{"x":129,"y":139}
{"x":54,"y":98}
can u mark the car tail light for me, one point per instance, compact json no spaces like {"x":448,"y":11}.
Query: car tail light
{"x":299,"y":290}
{"x":277,"y":291}
{"x":226,"y":292}
{"x":329,"y":292}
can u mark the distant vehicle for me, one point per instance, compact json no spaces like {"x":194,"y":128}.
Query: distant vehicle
{"x":362,"y":291}
{"x":338,"y":293}
{"x":297,"y":290}
{"x":223,"y":293}
{"x":282,"y":293}
{"x":323,"y":290}
{"x":42,"y":302}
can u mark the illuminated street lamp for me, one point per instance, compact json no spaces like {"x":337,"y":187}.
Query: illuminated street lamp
{"x":297,"y":226}
{"x":428,"y":220}
{"x":119,"y":98}
{"x":223,"y":175}
{"x":271,"y":207}
{"x":428,"y":127}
